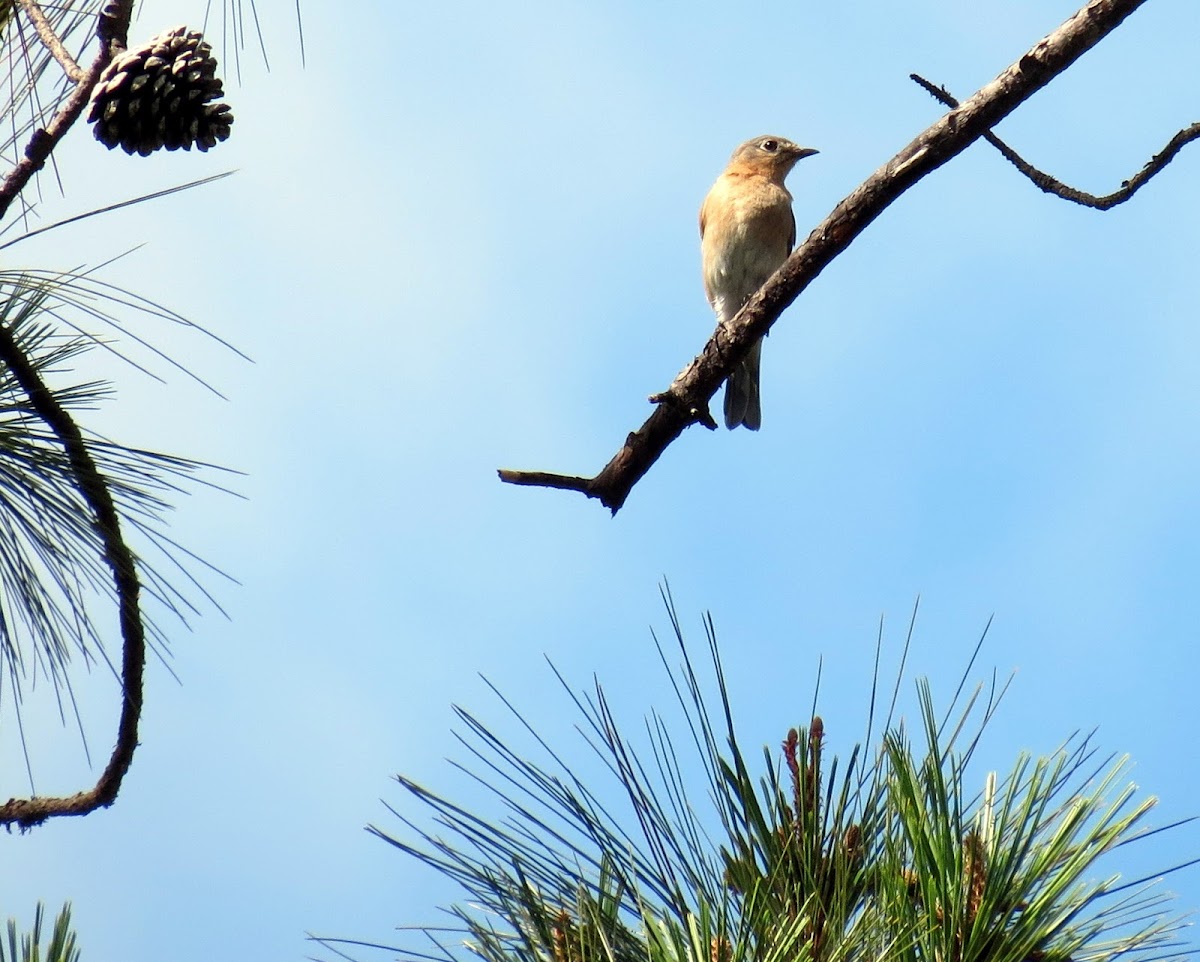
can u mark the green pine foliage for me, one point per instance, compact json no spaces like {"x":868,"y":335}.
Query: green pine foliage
{"x":52,"y":567}
{"x":896,"y":853}
{"x":29,"y":947}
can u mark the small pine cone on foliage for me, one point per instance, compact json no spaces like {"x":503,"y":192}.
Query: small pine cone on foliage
{"x":161,"y":94}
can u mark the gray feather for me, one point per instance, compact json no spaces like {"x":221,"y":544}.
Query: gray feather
{"x":742,"y":403}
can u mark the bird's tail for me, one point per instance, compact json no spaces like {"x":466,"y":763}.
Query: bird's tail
{"x":742,"y":405}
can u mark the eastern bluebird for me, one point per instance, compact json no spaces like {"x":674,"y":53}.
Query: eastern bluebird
{"x":747,"y":229}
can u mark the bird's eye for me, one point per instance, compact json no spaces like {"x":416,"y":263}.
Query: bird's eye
{"x":770,"y":146}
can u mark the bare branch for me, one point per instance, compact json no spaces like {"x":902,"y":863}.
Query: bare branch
{"x":692,"y":389}
{"x":50,"y":40}
{"x":1053,"y":186}
{"x":544,"y":479}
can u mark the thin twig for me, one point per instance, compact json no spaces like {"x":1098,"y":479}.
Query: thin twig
{"x":687,"y":398}
{"x":50,"y":40}
{"x":1053,"y":186}
{"x":546,"y":479}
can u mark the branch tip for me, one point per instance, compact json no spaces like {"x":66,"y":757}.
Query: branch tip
{"x":546,"y":479}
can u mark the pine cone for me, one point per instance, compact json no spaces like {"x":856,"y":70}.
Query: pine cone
{"x":161,"y":95}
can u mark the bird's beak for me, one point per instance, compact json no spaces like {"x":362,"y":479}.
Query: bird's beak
{"x":803,"y":152}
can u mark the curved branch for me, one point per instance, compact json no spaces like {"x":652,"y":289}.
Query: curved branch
{"x":92,"y":486}
{"x":25,"y":812}
{"x":1054,"y":186}
{"x":686,"y":401}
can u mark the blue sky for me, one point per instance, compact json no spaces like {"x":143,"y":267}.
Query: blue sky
{"x":464,"y":237}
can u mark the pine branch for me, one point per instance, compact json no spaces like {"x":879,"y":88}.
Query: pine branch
{"x":112,"y":28}
{"x":95,"y":491}
{"x":890,"y":854}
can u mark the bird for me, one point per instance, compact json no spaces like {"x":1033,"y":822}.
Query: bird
{"x":747,"y":230}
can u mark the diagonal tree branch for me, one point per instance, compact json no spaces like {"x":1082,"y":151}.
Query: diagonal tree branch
{"x":112,"y":27}
{"x":686,"y":401}
{"x":1052,"y":185}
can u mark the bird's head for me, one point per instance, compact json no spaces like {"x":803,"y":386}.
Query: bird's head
{"x":774,"y":156}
